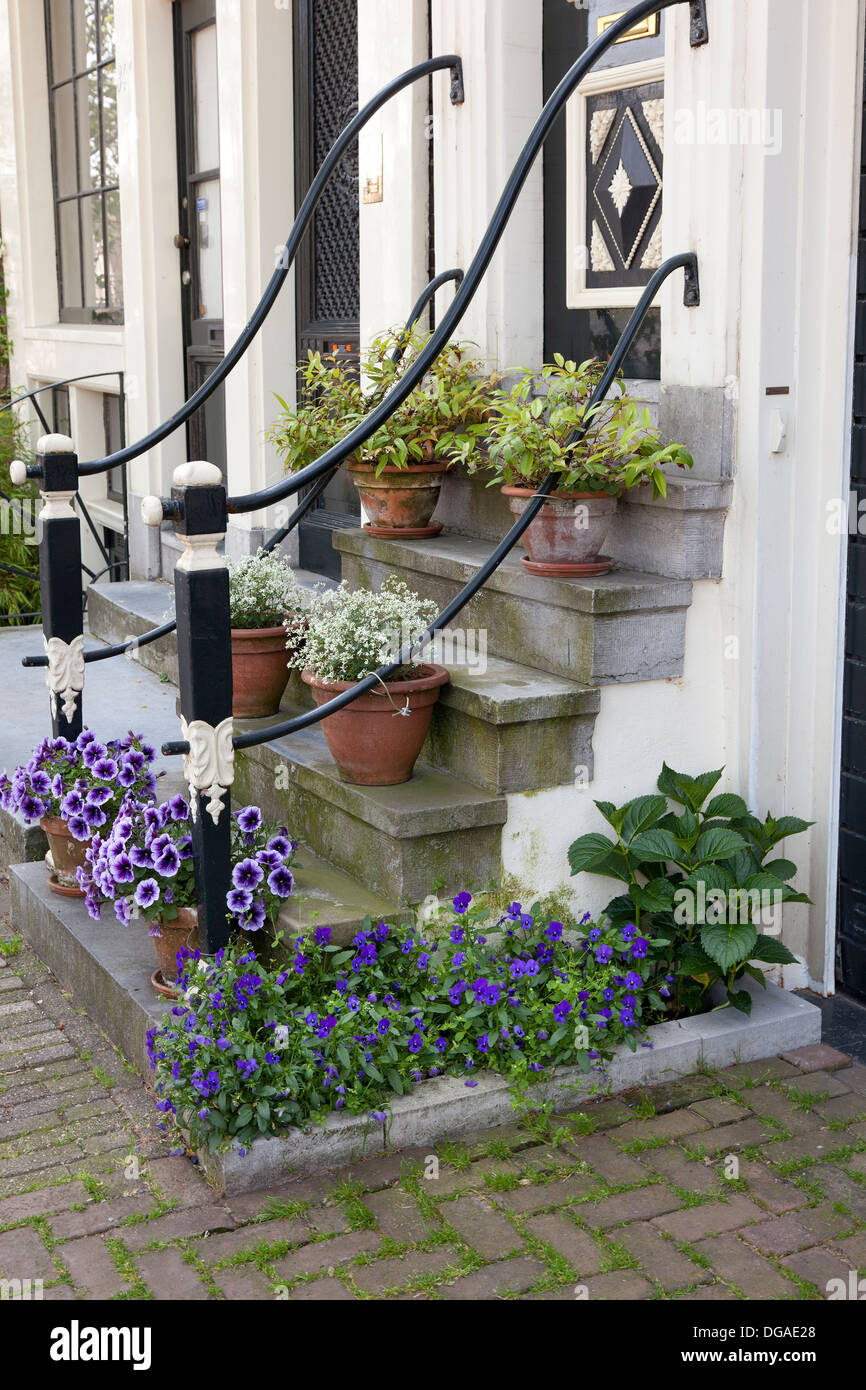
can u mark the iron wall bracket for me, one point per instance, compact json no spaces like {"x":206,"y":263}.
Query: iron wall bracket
{"x":699,"y":32}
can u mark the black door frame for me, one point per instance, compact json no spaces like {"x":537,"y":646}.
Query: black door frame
{"x":340,"y":337}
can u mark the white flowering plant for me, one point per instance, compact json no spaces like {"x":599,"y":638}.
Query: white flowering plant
{"x":351,"y":633}
{"x":263,"y":592}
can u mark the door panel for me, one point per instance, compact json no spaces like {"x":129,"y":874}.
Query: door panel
{"x":327,"y":280}
{"x":199,"y":238}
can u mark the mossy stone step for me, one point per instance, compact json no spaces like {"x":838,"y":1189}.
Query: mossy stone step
{"x":622,"y":626}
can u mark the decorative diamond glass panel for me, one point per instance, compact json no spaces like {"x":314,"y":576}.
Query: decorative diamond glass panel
{"x":624,"y":158}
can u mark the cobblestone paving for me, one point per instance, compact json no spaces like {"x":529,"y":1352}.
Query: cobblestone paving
{"x":744,"y":1184}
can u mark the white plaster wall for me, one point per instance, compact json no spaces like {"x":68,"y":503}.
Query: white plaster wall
{"x":392,"y":36}
{"x":254,"y":44}
{"x":476,"y":145}
{"x":776,"y":238}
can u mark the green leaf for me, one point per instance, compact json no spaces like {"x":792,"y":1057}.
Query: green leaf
{"x":788,"y":825}
{"x":656,"y":896}
{"x":641,"y":814}
{"x":770,"y":950}
{"x":728,"y":943}
{"x":711,"y":876}
{"x":654,"y":847}
{"x":756,"y":973}
{"x":691,"y":960}
{"x":726,"y":804}
{"x":395,"y":1081}
{"x":718,"y":844}
{"x":688,"y":791}
{"x":780,"y":868}
{"x":372,"y":1070}
{"x":583,"y":1060}
{"x":741,"y":1000}
{"x":612,"y":814}
{"x":585,"y":854}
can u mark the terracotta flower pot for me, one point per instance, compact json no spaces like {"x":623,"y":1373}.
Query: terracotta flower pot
{"x":566,"y":537}
{"x":400,"y":501}
{"x":260,"y":670}
{"x":182,"y":931}
{"x":372,"y":745}
{"x":67,"y":854}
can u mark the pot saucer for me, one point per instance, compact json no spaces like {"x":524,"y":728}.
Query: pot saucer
{"x":161,"y":987}
{"x":66,"y":890}
{"x":603,"y":565}
{"x":403,"y":533}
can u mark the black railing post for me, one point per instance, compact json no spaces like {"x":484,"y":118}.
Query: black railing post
{"x":201,"y":585}
{"x":59,"y":532}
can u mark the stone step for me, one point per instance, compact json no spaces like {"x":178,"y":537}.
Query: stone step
{"x":622,"y":626}
{"x":680,"y":536}
{"x":498,"y":724}
{"x":504,"y":727}
{"x":404,"y":842}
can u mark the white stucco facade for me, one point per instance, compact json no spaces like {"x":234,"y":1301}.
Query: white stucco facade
{"x":775,"y":234}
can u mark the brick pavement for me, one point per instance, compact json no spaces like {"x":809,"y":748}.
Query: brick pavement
{"x":744,"y":1184}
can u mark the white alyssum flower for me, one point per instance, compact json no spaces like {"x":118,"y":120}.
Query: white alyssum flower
{"x":353,"y":632}
{"x":262,"y":591}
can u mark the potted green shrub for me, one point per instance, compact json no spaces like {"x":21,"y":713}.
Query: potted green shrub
{"x":527,"y":440}
{"x":400,"y":470}
{"x":350,"y":634}
{"x":265,"y":603}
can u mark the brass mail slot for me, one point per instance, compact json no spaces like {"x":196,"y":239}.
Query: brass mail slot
{"x":645,"y":29}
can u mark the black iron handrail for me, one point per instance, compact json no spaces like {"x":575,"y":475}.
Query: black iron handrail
{"x":278,"y":492}
{"x":687,"y":261}
{"x":153,"y":635}
{"x":265,"y":304}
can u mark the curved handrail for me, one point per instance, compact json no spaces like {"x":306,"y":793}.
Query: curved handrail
{"x":687,"y":261}
{"x":272,"y":289}
{"x":353,"y":441}
{"x":153,"y":635}
{"x":53,"y":385}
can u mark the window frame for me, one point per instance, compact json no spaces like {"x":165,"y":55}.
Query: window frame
{"x":83,"y":314}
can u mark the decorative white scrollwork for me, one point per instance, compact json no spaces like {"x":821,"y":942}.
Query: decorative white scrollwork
{"x":209,"y":766}
{"x":65,"y":673}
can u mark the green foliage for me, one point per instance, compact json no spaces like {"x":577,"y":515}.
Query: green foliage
{"x":619,"y":448}
{"x":698,"y":883}
{"x":250,"y":1049}
{"x":19,"y":593}
{"x":443,"y":418}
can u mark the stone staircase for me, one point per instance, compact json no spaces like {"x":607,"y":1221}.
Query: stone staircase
{"x":519,"y":721}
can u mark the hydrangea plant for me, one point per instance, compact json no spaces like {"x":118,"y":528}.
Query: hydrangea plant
{"x":263,"y":591}
{"x":352,"y":632}
{"x":82,"y":782}
{"x":144,"y":866}
{"x":251,"y":1048}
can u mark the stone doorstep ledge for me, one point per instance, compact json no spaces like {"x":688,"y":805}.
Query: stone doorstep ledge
{"x":108,"y":970}
{"x":446,"y":1108}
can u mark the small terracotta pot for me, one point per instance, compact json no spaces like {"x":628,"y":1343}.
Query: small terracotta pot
{"x":566,"y":537}
{"x":67,"y":854}
{"x":400,"y":501}
{"x":260,"y":670}
{"x":372,"y":745}
{"x":182,"y":931}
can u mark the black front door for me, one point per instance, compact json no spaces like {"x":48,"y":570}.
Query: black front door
{"x":199,"y":238}
{"x":327,"y":280}
{"x":851,"y":924}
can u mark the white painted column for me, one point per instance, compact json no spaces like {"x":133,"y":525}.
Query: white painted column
{"x":151,"y":270}
{"x":254,"y":47}
{"x":775,"y":232}
{"x":475,"y":147}
{"x":392,"y":36}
